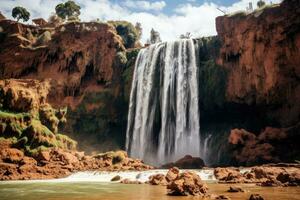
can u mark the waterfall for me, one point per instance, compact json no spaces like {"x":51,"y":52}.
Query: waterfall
{"x":163,"y":119}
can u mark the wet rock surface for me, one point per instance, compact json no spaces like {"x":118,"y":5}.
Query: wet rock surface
{"x":187,"y":183}
{"x":256,"y":197}
{"x":261,"y":175}
{"x":187,"y":162}
{"x":158,"y":179}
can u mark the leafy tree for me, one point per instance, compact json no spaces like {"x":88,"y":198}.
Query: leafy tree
{"x":68,"y":10}
{"x":20,"y":13}
{"x":127,"y":31}
{"x":154,"y":36}
{"x":261,"y":3}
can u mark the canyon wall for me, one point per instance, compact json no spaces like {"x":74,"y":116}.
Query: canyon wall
{"x":261,"y":54}
{"x":248,"y":74}
{"x":84,"y":64}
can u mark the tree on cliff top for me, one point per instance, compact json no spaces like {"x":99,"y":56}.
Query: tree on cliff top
{"x":20,"y":13}
{"x":68,"y":10}
{"x":261,"y":3}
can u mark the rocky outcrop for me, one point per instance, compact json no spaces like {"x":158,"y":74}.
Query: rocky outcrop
{"x":31,"y":143}
{"x":262,"y":175}
{"x":158,"y":179}
{"x":269,"y":146}
{"x":180,"y":184}
{"x":87,"y":71}
{"x":187,"y":183}
{"x":256,"y":197}
{"x":261,"y":52}
{"x":187,"y":162}
{"x":57,"y":163}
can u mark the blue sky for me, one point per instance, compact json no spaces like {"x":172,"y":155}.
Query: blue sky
{"x":170,"y":17}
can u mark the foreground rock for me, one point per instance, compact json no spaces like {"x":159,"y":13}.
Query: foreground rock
{"x":158,"y":179}
{"x":187,"y":162}
{"x":187,"y":183}
{"x":180,"y":184}
{"x":256,"y":197}
{"x":235,"y":189}
{"x":57,"y":163}
{"x":263,"y":175}
{"x":128,"y":181}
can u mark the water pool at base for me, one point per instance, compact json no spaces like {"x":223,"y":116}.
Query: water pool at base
{"x":117,"y":191}
{"x":96,"y":186}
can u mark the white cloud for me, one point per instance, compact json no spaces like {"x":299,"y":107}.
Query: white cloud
{"x":199,"y":20}
{"x":145,"y":5}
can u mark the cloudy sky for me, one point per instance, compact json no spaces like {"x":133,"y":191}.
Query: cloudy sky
{"x":170,"y":17}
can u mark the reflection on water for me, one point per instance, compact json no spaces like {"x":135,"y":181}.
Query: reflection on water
{"x":116,"y":191}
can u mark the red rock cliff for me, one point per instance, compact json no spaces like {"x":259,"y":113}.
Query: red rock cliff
{"x":261,"y":51}
{"x":73,"y":55}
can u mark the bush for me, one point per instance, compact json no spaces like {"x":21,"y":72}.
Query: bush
{"x":127,"y":31}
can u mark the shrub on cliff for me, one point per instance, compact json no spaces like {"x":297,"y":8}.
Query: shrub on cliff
{"x":69,"y":10}
{"x":127,"y":31}
{"x":20,"y":13}
{"x":261,"y":4}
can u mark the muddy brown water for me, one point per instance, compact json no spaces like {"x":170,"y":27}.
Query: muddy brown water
{"x":117,"y":191}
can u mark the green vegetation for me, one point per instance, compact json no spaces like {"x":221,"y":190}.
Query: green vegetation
{"x":26,"y":131}
{"x":261,"y":3}
{"x":127,"y":31}
{"x":212,"y":84}
{"x":212,"y":77}
{"x":20,"y":13}
{"x":69,"y":10}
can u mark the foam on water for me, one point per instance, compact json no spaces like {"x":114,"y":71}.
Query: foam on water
{"x":105,"y":177}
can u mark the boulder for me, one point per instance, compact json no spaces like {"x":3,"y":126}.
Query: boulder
{"x":222,"y":197}
{"x":172,"y":174}
{"x":187,"y":162}
{"x":128,"y":181}
{"x":229,"y":174}
{"x":235,"y":189}
{"x":187,"y":183}
{"x":44,"y":156}
{"x":158,"y":179}
{"x":116,"y":178}
{"x":28,"y":161}
{"x":11,"y":155}
{"x":256,"y":197}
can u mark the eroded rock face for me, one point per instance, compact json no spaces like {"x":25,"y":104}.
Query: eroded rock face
{"x":262,"y":175}
{"x":83,"y":63}
{"x":268,"y":146}
{"x":261,"y":53}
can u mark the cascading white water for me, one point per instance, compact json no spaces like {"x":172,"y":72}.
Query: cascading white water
{"x":163,"y":119}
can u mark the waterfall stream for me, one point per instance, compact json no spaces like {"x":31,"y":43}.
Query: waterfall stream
{"x":163,"y":119}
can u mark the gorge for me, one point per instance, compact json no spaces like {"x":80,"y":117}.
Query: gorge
{"x":71,"y":91}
